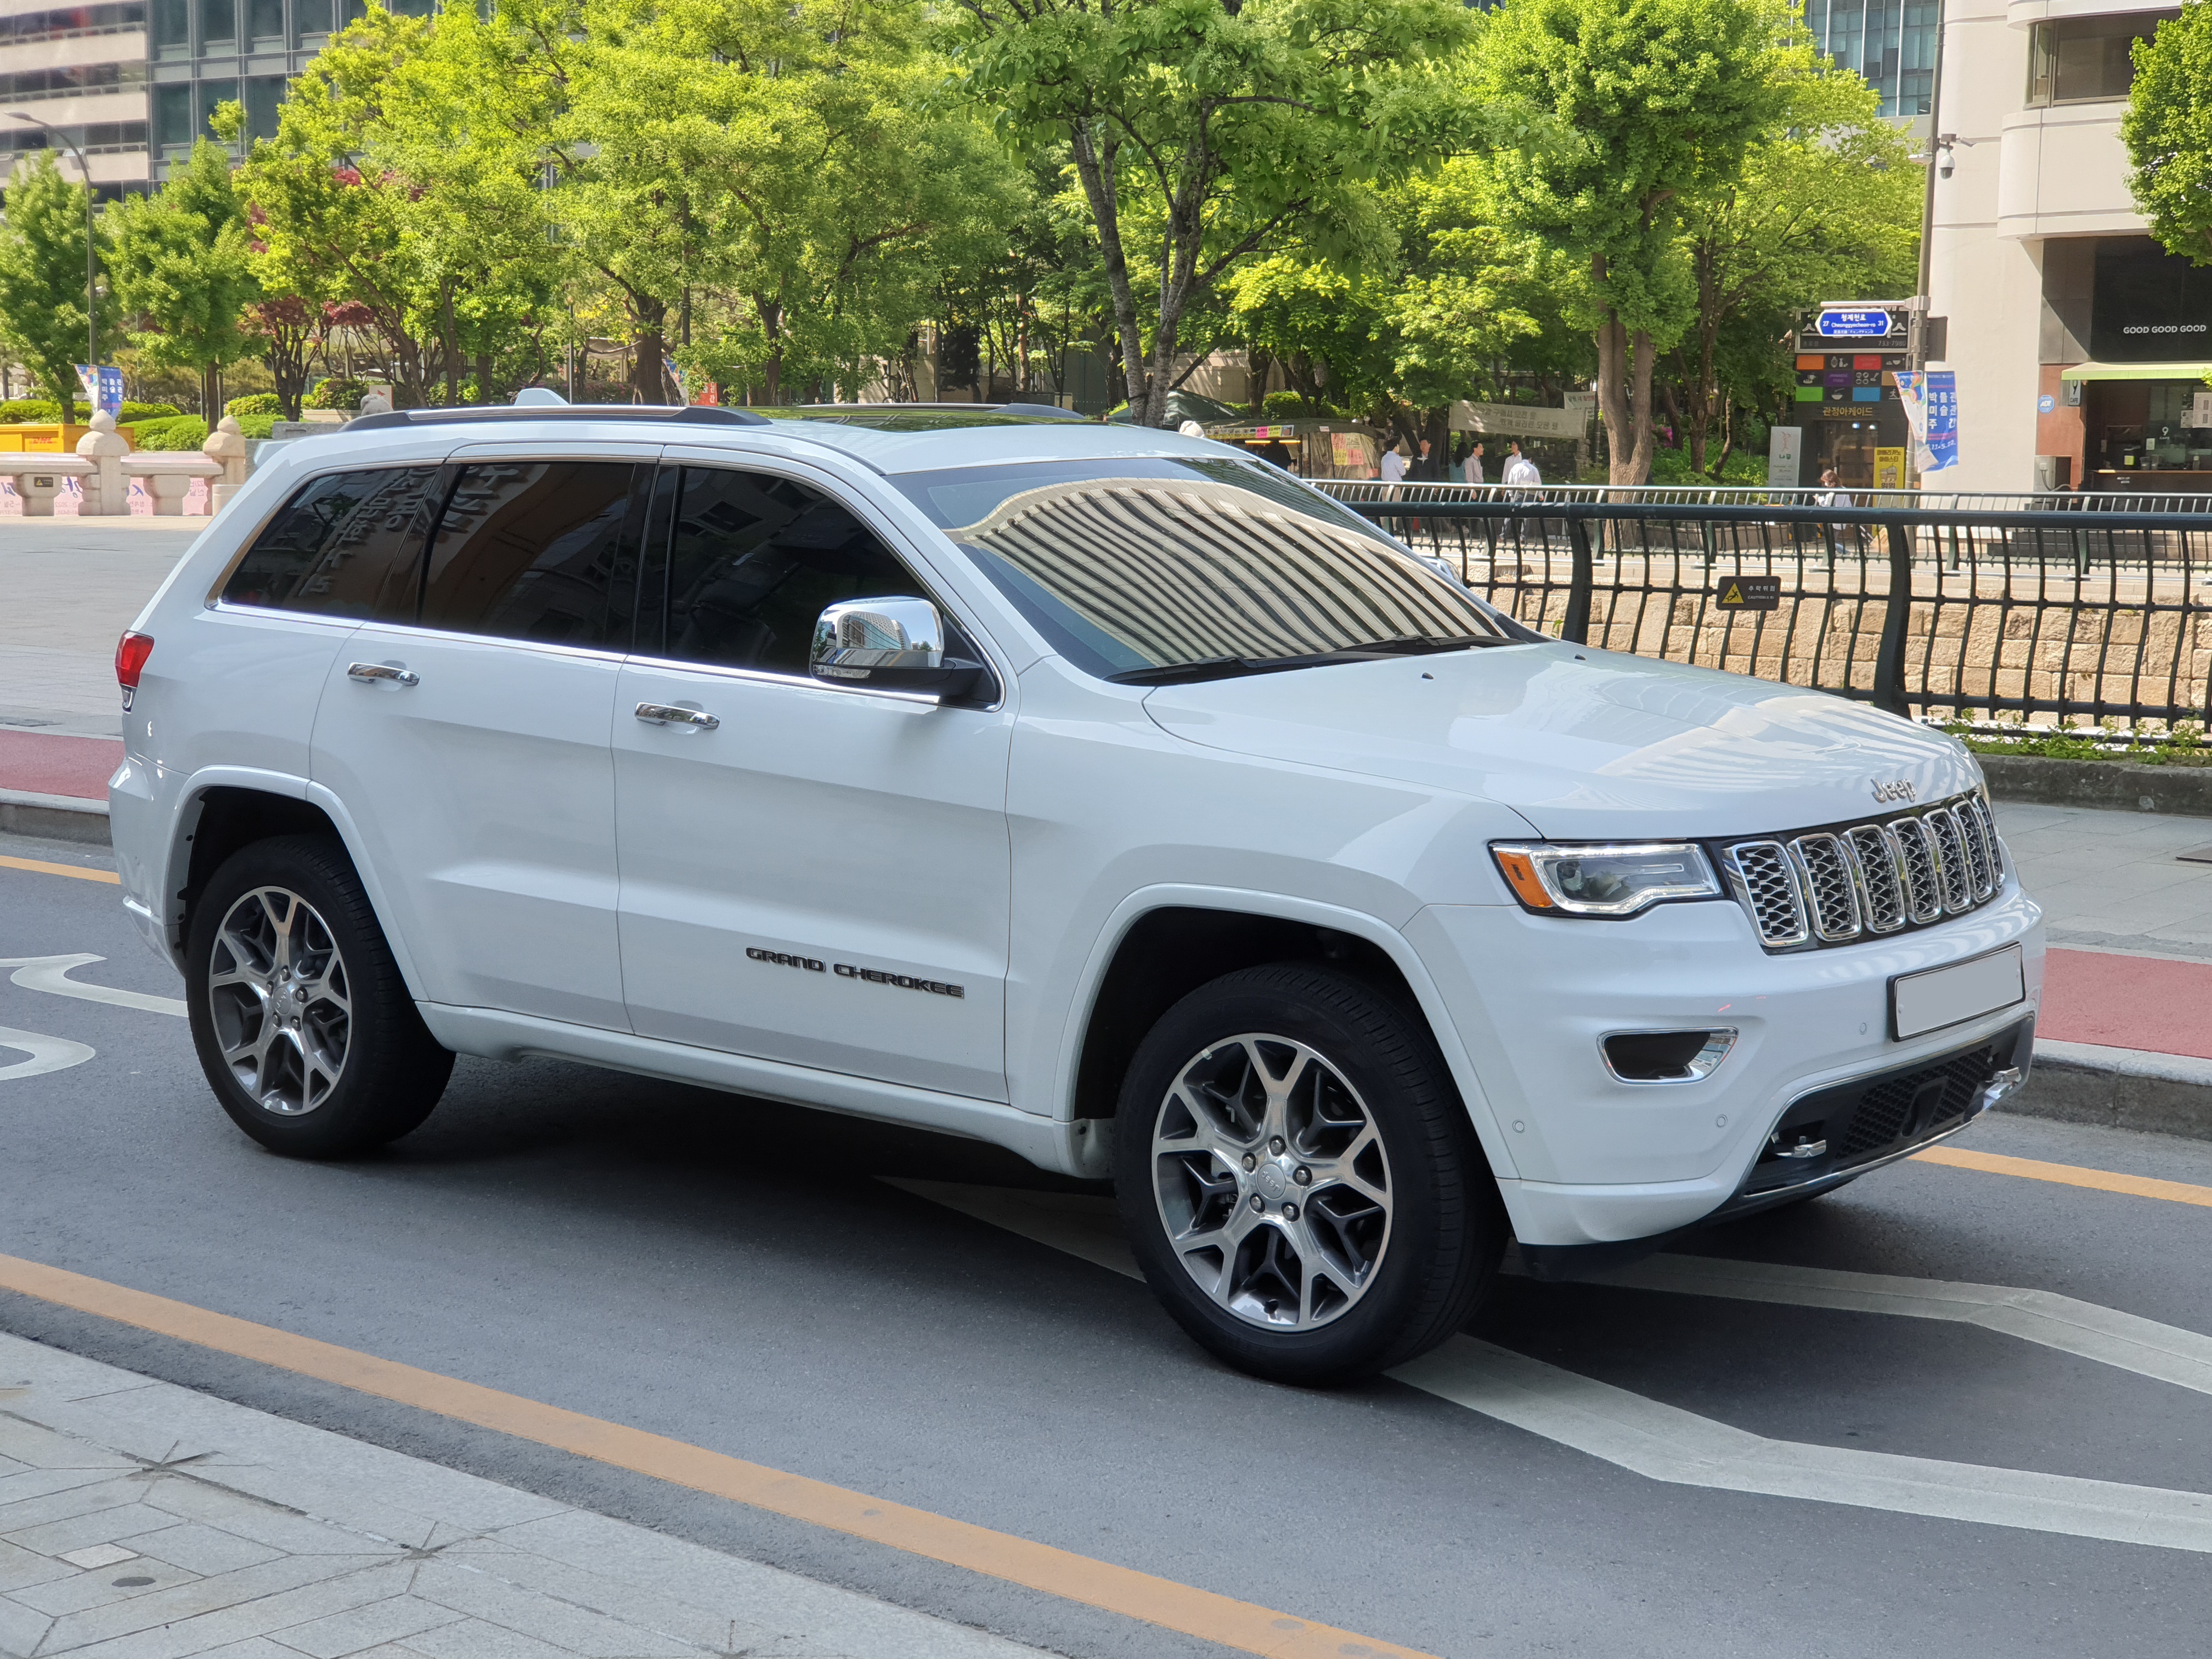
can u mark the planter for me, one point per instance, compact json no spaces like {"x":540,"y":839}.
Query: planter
{"x":2117,"y":786}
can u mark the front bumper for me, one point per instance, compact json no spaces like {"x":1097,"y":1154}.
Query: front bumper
{"x":1598,"y":1160}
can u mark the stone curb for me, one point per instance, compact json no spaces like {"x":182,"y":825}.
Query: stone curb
{"x":55,"y":818}
{"x":2118,"y":786}
{"x":2118,"y":1088}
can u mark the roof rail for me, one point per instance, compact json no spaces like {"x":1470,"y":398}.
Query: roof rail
{"x":691,"y":415}
{"x":1032,"y":411}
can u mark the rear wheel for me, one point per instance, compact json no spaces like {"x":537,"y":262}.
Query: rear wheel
{"x":1299,"y":1180}
{"x":302,"y":1022}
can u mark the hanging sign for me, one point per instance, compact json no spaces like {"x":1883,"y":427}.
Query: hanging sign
{"x":103,"y":389}
{"x":1853,"y":322}
{"x":1930,"y":398}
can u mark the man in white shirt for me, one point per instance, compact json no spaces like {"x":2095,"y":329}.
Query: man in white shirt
{"x":1393,"y":469}
{"x":1520,"y":471}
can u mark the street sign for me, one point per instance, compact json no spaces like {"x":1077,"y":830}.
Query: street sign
{"x":1854,"y":325}
{"x":1748,"y":592}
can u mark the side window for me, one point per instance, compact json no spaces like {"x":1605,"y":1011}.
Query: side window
{"x":348,"y":544}
{"x":752,"y":560}
{"x":539,"y":551}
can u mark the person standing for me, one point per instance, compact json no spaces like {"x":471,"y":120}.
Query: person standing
{"x":1426,"y":469}
{"x":1393,"y":469}
{"x":1470,"y":468}
{"x":1520,"y":472}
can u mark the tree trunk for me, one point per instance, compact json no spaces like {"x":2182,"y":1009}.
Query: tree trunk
{"x":1094,"y":167}
{"x":451,"y":347}
{"x":207,"y":394}
{"x":650,"y":316}
{"x":483,"y":377}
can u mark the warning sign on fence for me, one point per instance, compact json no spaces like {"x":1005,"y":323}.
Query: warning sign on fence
{"x":1748,"y":593}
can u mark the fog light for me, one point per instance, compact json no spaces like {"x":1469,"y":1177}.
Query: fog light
{"x":1666,"y":1056}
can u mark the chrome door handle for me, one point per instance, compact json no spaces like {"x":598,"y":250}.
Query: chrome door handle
{"x":662,"y":713}
{"x":367,"y":671}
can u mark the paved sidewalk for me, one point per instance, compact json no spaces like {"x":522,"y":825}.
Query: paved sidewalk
{"x":71,"y":588}
{"x":143,"y":1521}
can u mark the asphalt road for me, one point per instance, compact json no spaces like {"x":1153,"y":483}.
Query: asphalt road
{"x":739,"y":1275}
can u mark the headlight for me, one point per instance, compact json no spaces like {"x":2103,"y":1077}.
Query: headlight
{"x":1616,"y":879}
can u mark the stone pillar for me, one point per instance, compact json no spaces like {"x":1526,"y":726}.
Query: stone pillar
{"x":105,"y":490}
{"x":226,"y":445}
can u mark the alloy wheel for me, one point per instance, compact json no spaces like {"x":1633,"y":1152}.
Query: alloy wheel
{"x":1271,"y":1181}
{"x":278,"y":994}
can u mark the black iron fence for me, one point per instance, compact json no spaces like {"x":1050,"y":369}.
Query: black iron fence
{"x":2079,"y":612}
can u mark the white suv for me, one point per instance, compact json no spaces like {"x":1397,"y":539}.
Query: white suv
{"x":1102,"y":794}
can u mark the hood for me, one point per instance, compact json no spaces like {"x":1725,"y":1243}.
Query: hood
{"x":1585,"y":744}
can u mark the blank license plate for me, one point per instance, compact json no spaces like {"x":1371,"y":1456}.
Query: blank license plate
{"x":1944,"y":996}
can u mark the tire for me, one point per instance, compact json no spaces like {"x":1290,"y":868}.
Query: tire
{"x":1379,"y":1224}
{"x":303,"y":1025}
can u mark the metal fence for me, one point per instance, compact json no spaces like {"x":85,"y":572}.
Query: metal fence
{"x":1954,"y":607}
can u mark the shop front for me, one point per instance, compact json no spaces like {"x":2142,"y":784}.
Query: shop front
{"x":1847,"y":402}
{"x":2138,"y":414}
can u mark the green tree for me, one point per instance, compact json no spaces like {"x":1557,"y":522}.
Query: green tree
{"x":2168,"y":131}
{"x":180,"y":260}
{"x":1207,"y":136}
{"x":1656,"y":101}
{"x":43,"y":276}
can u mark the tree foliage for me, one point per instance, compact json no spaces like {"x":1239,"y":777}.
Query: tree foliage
{"x":179,"y":263}
{"x":43,"y":279}
{"x":2168,"y":131}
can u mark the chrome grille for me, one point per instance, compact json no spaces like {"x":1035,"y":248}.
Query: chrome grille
{"x":1830,"y":892}
{"x":1768,"y":889}
{"x":1958,"y":878}
{"x":1878,"y":877}
{"x":1831,"y":886}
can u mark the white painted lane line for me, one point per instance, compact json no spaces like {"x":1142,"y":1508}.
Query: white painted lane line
{"x":47,"y":1053}
{"x":1665,"y":1442}
{"x":2123,"y":1340}
{"x":51,"y":975}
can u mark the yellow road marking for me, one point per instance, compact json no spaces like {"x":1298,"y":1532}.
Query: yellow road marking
{"x":1162,"y":1601}
{"x":39,"y":867}
{"x":2068,"y":1174}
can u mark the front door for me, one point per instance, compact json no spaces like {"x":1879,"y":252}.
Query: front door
{"x":814,"y":875}
{"x":471,"y":745}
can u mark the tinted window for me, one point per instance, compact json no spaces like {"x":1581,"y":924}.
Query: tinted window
{"x":752,"y":560}
{"x":539,"y":551}
{"x":348,"y":544}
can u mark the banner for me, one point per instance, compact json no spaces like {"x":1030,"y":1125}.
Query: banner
{"x":1931,"y":409}
{"x":102,"y":390}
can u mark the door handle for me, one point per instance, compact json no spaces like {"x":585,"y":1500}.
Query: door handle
{"x":662,"y":713}
{"x":367,"y":672}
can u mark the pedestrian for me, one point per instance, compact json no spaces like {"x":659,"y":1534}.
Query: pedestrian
{"x":1520,"y":472}
{"x":1830,"y":494}
{"x":1424,"y":468}
{"x":1392,"y":472}
{"x":1472,"y":468}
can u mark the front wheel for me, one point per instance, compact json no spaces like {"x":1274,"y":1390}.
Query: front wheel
{"x":303,"y":1023}
{"x":1298,"y":1179}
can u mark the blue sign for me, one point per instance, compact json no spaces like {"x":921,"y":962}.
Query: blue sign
{"x":105,"y":388}
{"x":1942,"y":419}
{"x":1853,"y":324}
{"x":2046,"y":404}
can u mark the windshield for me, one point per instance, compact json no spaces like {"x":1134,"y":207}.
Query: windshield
{"x":1159,"y":567}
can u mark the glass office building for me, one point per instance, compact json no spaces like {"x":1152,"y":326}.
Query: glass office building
{"x":1891,"y":42}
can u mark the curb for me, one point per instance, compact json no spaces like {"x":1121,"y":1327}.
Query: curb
{"x":2117,"y":786}
{"x":55,"y":818}
{"x":2118,"y":1089}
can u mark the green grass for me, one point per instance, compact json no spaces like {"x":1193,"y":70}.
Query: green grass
{"x":2183,"y":745}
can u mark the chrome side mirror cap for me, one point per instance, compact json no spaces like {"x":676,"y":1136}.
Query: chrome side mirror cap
{"x":889,"y":645}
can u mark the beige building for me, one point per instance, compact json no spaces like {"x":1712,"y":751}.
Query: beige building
{"x":2080,"y":345}
{"x":83,"y":71}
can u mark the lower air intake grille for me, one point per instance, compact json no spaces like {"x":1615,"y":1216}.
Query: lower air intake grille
{"x":1832,"y":886}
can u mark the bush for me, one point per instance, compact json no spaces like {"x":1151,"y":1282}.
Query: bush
{"x":146,"y":412}
{"x":254,"y":403}
{"x":2182,"y":745}
{"x":335,"y":393}
{"x":38,"y":412}
{"x":175,"y":431}
{"x":257,"y":425}
{"x":1292,"y":406}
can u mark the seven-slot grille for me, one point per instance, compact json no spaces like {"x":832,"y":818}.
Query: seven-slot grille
{"x":1831,"y":886}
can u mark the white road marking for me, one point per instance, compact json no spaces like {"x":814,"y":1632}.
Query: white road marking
{"x":47,"y":1053}
{"x":51,"y":975}
{"x":1665,"y":1442}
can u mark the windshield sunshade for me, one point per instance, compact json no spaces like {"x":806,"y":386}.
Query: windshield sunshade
{"x":1137,"y":565}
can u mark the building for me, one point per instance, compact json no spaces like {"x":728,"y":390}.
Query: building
{"x":1892,"y":43}
{"x":82,"y":70}
{"x":2080,"y":345}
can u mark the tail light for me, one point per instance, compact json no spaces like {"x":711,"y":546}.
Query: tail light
{"x":130,"y":654}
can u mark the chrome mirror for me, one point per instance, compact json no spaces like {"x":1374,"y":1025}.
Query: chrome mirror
{"x":889,"y":645}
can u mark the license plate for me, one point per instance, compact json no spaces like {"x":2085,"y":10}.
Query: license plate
{"x":1919,"y":1003}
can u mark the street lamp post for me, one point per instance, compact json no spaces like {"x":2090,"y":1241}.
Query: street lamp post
{"x":91,"y":258}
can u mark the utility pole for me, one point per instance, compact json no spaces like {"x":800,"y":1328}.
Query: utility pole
{"x":1919,"y":341}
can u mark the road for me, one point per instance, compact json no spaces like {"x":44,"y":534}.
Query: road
{"x":743,"y":1277}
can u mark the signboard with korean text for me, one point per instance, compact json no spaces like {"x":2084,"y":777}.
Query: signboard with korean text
{"x":1931,"y":406}
{"x":103,"y":390}
{"x":1748,"y":593}
{"x":1853,"y":322}
{"x":1784,"y":445}
{"x":1889,"y":469}
{"x":1519,"y":419}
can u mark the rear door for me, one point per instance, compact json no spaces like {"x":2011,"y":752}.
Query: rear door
{"x":821,"y":876}
{"x":470,"y":742}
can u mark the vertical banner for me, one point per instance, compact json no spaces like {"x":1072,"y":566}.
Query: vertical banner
{"x":1889,"y":469}
{"x":103,"y":387}
{"x":1931,"y":409}
{"x":1785,"y":444}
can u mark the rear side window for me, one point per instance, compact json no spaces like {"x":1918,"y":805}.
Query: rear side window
{"x":751,"y":561}
{"x":539,"y":551}
{"x":348,"y":544}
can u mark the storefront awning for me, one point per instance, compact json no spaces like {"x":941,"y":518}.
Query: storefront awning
{"x":2137,"y":371}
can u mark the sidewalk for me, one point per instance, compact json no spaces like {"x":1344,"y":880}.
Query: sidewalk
{"x":143,"y":1521}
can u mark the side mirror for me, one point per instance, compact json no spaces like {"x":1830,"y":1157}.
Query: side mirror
{"x":889,"y":645}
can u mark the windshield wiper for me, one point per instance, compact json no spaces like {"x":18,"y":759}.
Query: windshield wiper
{"x":1214,"y":668}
